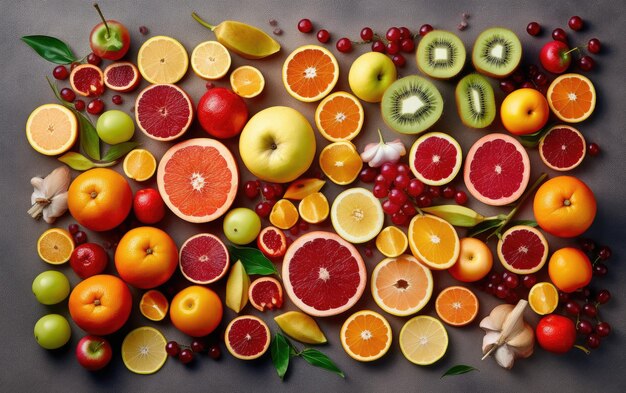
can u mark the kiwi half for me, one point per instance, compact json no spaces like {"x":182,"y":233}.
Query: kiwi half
{"x":497,"y":52}
{"x":440,"y":54}
{"x":411,"y":105}
{"x":475,"y":101}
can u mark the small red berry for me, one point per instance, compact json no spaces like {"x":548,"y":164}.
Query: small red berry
{"x":305,"y":26}
{"x":367,"y":34}
{"x":425,"y":29}
{"x":344,"y":45}
{"x":323,"y":36}
{"x":575,"y":23}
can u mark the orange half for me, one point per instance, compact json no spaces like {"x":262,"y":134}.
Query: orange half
{"x":434,"y":241}
{"x":154,"y":305}
{"x":341,"y":162}
{"x":55,"y":246}
{"x":247,"y":81}
{"x":310,"y":73}
{"x":457,"y":306}
{"x":572,"y":97}
{"x":366,"y":336}
{"x":339,"y":117}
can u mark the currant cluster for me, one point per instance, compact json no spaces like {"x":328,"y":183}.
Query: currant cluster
{"x":598,"y":256}
{"x":186,"y":354}
{"x":78,"y":235}
{"x":270,"y":194}
{"x":526,"y":77}
{"x":508,"y":286}
{"x":584,"y":305}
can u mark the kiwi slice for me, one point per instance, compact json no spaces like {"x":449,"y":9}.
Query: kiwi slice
{"x":497,"y":52}
{"x":440,"y":54}
{"x":411,"y":105}
{"x":475,"y":101}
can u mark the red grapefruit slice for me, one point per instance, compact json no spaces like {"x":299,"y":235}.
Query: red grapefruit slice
{"x":163,"y":112}
{"x":198,"y":179}
{"x":323,"y":274}
{"x":122,"y":76}
{"x":497,"y":169}
{"x":203,"y":259}
{"x":562,"y":148}
{"x":247,"y":337}
{"x":435,"y":158}
{"x":265,"y":293}
{"x":87,"y":80}
{"x":523,"y":249}
{"x":272,"y":242}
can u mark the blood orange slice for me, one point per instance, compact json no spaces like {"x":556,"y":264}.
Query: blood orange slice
{"x":310,"y":73}
{"x":562,"y":148}
{"x":203,"y":259}
{"x":272,"y":242}
{"x":435,"y":158}
{"x":122,"y":76}
{"x":247,"y":337}
{"x":572,"y":97}
{"x":265,"y":293}
{"x":457,"y":306}
{"x":497,"y":169}
{"x":198,"y":179}
{"x":323,"y":274}
{"x":87,"y":80}
{"x":523,"y":249}
{"x":163,"y":112}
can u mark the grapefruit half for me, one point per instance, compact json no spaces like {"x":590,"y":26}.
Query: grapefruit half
{"x":435,"y":158}
{"x":203,"y":259}
{"x":163,"y":112}
{"x":523,"y":249}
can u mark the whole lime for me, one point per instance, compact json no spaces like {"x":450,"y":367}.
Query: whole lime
{"x":51,"y":287}
{"x":115,"y":127}
{"x":52,"y":331}
{"x":242,"y":225}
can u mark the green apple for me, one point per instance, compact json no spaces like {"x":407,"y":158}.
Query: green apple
{"x":51,"y":287}
{"x":242,"y":225}
{"x":277,"y":144}
{"x":52,"y":331}
{"x":115,"y":127}
{"x":370,"y":75}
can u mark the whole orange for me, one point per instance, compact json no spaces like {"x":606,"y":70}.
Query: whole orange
{"x":100,"y":304}
{"x":564,"y":206}
{"x":146,"y":257}
{"x":99,"y":199}
{"x":196,"y":311}
{"x":556,"y":333}
{"x":569,"y":269}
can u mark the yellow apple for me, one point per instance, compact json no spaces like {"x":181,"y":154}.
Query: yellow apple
{"x":370,"y":75}
{"x":524,"y":111}
{"x":277,"y":144}
{"x":475,"y":261}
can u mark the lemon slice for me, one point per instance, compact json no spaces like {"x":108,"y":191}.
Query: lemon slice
{"x":143,"y":350}
{"x":162,"y":60}
{"x":423,"y":340}
{"x":210,"y":60}
{"x":51,"y":129}
{"x":139,"y":165}
{"x":357,"y":215}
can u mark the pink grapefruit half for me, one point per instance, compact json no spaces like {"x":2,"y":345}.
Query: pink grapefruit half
{"x":163,"y":112}
{"x":435,"y":158}
{"x":203,"y":259}
{"x":523,"y":249}
{"x":497,"y":169}
{"x":247,"y":337}
{"x":198,"y":179}
{"x":562,"y":148}
{"x":122,"y":76}
{"x":323,"y":274}
{"x":266,"y":293}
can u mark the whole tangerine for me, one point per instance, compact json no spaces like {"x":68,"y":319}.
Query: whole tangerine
{"x":196,"y":311}
{"x":569,"y":269}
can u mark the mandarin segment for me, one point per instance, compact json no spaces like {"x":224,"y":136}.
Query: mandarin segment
{"x":314,"y":208}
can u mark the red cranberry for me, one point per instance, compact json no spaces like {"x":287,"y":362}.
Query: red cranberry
{"x":305,"y":26}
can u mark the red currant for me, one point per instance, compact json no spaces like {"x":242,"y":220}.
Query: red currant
{"x":584,"y":327}
{"x":95,"y":106}
{"x":409,"y":210}
{"x":424,"y":201}
{"x":344,"y":45}
{"x":575,"y":23}
{"x":572,"y":308}
{"x":448,"y":192}
{"x":495,"y":278}
{"x":502,"y":291}
{"x":79,"y":105}
{"x":367,"y":34}
{"x":251,"y":189}
{"x":369,"y":252}
{"x":215,"y":352}
{"x":263,"y":209}
{"x":540,"y":79}
{"x":67,"y":94}
{"x":605,"y":253}
{"x":278,"y":190}
{"x":600,"y":269}
{"x":460,"y":198}
{"x":397,"y":196}
{"x":529,"y":280}
{"x":393,"y":34}
{"x":197,"y":346}
{"x":399,"y":218}
{"x":60,"y":72}
{"x":117,"y":99}
{"x":603,"y":296}
{"x":407,"y":45}
{"x":403,"y":168}
{"x":143,"y":30}
{"x":368,"y":175}
{"x":294,"y":230}
{"x":393,"y":47}
{"x":590,"y":310}
{"x":593,"y":341}
{"x":402,"y":181}
{"x":268,"y":191}
{"x":303,"y":225}
{"x":378,"y":46}
{"x":305,"y":26}
{"x":415,"y":187}
{"x":73,"y":229}
{"x":405,"y":33}
{"x":559,"y":34}
{"x":507,"y":86}
{"x":80,"y":237}
{"x":398,"y":60}
{"x":172,"y":348}
{"x":603,"y":329}
{"x":594,"y":45}
{"x":533,"y":28}
{"x":527,"y":85}
{"x":587,"y":244}
{"x":94,"y":59}
{"x":323,"y":36}
{"x":390,"y":207}
{"x":389,"y":171}
{"x":425,"y":29}
{"x":185,"y":356}
{"x":434,"y":191}
{"x":511,"y":281}
{"x":380,"y":191}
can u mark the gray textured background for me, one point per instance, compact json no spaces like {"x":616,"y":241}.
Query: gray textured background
{"x":27,"y":367}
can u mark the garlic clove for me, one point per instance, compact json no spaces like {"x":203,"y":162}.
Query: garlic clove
{"x":56,"y":208}
{"x":523,"y":343}
{"x":370,"y":152}
{"x":57,"y":181}
{"x":505,"y":357}
{"x":489,"y":340}
{"x":496,"y":318}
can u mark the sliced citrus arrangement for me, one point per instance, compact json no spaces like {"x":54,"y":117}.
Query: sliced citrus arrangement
{"x":366,"y":336}
{"x":572,"y":97}
{"x":154,"y":305}
{"x":163,"y":112}
{"x":314,"y":208}
{"x":423,"y":340}
{"x":310,"y":73}
{"x":523,"y":249}
{"x":543,"y":298}
{"x":55,"y":246}
{"x":247,"y":81}
{"x":162,"y":59}
{"x":203,"y":259}
{"x":51,"y":129}
{"x":139,"y":165}
{"x":247,"y":337}
{"x":210,"y":60}
{"x":433,"y":241}
{"x":357,"y":215}
{"x":456,"y":306}
{"x":339,"y":117}
{"x":401,"y":286}
{"x":341,"y":162}
{"x":562,"y":148}
{"x":284,"y":214}
{"x":392,"y":242}
{"x":435,"y":158}
{"x":143,"y":350}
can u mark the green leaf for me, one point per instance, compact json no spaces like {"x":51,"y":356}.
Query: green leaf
{"x":530,"y":223}
{"x":318,"y":359}
{"x":484,"y":227}
{"x":253,"y":260}
{"x":532,"y":140}
{"x":89,"y":139}
{"x":458,"y":370}
{"x":50,"y":48}
{"x":76,"y":161}
{"x":118,"y":151}
{"x":280,"y":351}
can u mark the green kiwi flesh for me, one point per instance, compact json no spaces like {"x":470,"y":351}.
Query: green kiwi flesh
{"x":497,"y":52}
{"x":411,"y":105}
{"x":475,"y":101}
{"x":440,"y":54}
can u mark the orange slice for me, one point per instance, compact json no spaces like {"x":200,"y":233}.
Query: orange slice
{"x":210,"y":60}
{"x":310,"y":73}
{"x":391,"y":242}
{"x":314,"y":208}
{"x":247,"y":81}
{"x":55,"y":246}
{"x":139,"y":165}
{"x":154,"y":305}
{"x":339,"y":117}
{"x":457,"y":306}
{"x":341,"y":162}
{"x":284,"y":214}
{"x":162,"y":60}
{"x":51,"y":129}
{"x":433,"y":241}
{"x":543,"y":298}
{"x":366,"y":336}
{"x":572,"y":97}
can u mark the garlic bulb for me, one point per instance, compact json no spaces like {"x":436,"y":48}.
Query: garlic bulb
{"x":376,"y":154}
{"x":507,"y":335}
{"x":49,"y":198}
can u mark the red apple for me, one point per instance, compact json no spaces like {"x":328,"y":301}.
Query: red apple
{"x":109,"y":39}
{"x":148,"y":206}
{"x":89,"y":259}
{"x":555,"y":57}
{"x":222,"y":113}
{"x":93,"y":352}
{"x":475,"y":261}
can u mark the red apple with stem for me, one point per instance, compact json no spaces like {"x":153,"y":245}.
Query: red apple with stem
{"x":93,"y":352}
{"x":555,"y":56}
{"x":109,"y":39}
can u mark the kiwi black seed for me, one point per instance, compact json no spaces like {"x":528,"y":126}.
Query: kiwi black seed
{"x":475,"y":101}
{"x":411,"y":105}
{"x":440,"y":54}
{"x":497,"y":52}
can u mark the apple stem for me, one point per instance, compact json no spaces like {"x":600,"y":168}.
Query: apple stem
{"x":202,"y":22}
{"x":102,"y":17}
